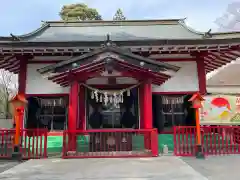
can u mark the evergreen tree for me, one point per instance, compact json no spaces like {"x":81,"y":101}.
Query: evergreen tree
{"x":119,"y":16}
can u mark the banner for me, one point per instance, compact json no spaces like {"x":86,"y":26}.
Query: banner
{"x":220,"y":109}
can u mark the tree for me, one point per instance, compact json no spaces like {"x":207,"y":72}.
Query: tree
{"x":230,"y":21}
{"x":79,"y":12}
{"x":119,"y":15}
{"x":8,"y":88}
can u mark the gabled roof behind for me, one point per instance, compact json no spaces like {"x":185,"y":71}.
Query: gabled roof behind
{"x":226,"y":75}
{"x":128,"y":30}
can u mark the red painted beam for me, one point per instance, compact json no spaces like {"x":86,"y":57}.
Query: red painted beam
{"x":12,"y":65}
{"x":13,"y":69}
{"x":44,"y":61}
{"x":130,"y":66}
{"x":220,"y":58}
{"x":173,"y":59}
{"x":137,"y":75}
{"x":214,"y":62}
{"x":79,"y":69}
{"x":226,"y":55}
{"x":137,"y":72}
{"x":85,"y":76}
{"x":211,"y":62}
{"x":85,"y":73}
{"x":77,"y":74}
{"x":5,"y":62}
{"x":81,"y":77}
{"x":233,"y":53}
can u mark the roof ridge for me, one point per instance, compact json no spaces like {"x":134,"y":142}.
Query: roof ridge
{"x":109,"y":21}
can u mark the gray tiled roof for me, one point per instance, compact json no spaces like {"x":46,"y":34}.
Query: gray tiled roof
{"x":117,"y":33}
{"x":121,"y":31}
{"x":118,"y":30}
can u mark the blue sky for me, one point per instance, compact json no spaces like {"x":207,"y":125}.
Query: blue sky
{"x":23,"y":16}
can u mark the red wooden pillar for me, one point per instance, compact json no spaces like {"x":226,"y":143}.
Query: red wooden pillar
{"x":22,"y":76}
{"x":147,"y":105}
{"x":22,"y":80}
{"x":73,"y":115}
{"x":82,"y":113}
{"x":145,"y":94}
{"x":141,"y":97}
{"x":201,"y":75}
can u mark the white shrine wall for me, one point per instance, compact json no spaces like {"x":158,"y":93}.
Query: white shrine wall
{"x":185,"y":80}
{"x":36,"y":84}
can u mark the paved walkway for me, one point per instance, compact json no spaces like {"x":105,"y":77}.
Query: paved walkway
{"x":162,"y":168}
{"x":217,"y":167}
{"x":5,"y":165}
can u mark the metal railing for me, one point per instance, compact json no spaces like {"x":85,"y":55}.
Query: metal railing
{"x":215,"y":140}
{"x":33,"y":143}
{"x":110,"y":143}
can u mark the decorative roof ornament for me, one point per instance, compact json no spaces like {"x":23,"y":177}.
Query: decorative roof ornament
{"x":108,"y":42}
{"x":208,"y":34}
{"x":14,"y":38}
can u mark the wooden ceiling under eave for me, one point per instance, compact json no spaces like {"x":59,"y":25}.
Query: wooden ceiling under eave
{"x":95,"y":69}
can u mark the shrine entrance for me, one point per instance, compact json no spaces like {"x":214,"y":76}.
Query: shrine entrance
{"x":114,"y":119}
{"x":102,"y":115}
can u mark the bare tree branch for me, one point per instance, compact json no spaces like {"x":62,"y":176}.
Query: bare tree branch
{"x":8,"y":89}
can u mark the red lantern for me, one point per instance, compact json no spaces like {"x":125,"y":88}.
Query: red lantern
{"x":18,"y":103}
{"x":196,"y":100}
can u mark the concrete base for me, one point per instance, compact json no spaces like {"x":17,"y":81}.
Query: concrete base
{"x":199,"y":152}
{"x":16,"y":154}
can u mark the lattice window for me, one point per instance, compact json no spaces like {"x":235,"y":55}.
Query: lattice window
{"x":53,"y":112}
{"x":173,"y":111}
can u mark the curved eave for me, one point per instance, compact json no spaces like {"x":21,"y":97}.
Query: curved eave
{"x":28,"y":35}
{"x":183,"y":24}
{"x":215,"y":35}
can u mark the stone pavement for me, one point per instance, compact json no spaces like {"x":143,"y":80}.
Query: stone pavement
{"x":162,"y":168}
{"x":6,"y":164}
{"x":217,"y":167}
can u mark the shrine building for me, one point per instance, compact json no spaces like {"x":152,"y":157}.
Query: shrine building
{"x":135,"y":74}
